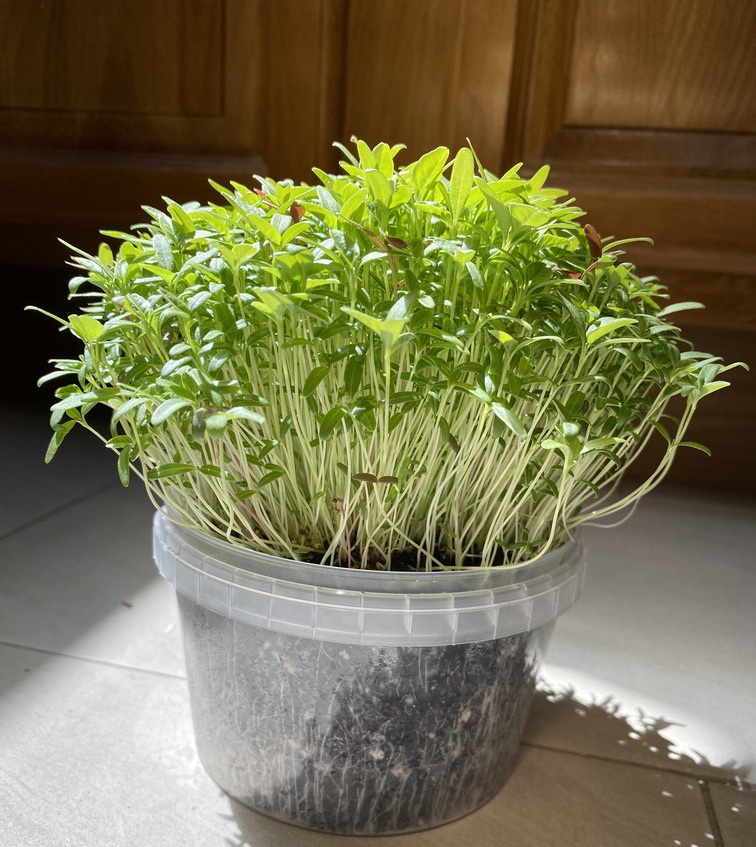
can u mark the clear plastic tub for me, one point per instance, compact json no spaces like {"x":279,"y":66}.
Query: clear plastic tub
{"x":359,"y":702}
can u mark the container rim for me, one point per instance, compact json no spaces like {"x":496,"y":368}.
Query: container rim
{"x":365,"y":607}
{"x":236,"y":557}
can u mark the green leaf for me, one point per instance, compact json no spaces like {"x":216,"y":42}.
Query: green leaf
{"x":124,"y":467}
{"x":168,"y":469}
{"x":215,"y":425}
{"x":271,"y":476}
{"x":163,"y":252}
{"x":331,"y":421}
{"x":181,"y":217}
{"x":501,"y":211}
{"x":389,"y":329}
{"x":379,"y":187}
{"x":69,"y":403}
{"x":60,"y":433}
{"x":536,"y":182}
{"x":327,"y":200}
{"x":105,"y":255}
{"x":510,"y":419}
{"x":243,"y":413}
{"x":462,"y":175}
{"x":696,"y":446}
{"x":711,"y":387}
{"x":428,"y":168}
{"x":352,"y":203}
{"x":365,"y":477}
{"x":168,"y":408}
{"x":86,"y":327}
{"x":196,"y":300}
{"x":679,"y":307}
{"x":604,"y":443}
{"x":126,"y":407}
{"x":475,"y":275}
{"x":315,"y":377}
{"x":353,"y":374}
{"x":604,"y":326}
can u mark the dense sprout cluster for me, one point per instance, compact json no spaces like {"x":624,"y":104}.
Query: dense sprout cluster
{"x":419,"y":366}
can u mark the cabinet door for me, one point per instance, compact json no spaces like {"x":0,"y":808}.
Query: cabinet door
{"x":647,"y":114}
{"x":105,"y":106}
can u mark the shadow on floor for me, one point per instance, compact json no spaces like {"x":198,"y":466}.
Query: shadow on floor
{"x":560,"y":721}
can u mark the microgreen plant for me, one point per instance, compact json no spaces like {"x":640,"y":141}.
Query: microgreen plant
{"x":421,"y":366}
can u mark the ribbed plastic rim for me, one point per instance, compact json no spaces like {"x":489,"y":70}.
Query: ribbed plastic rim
{"x":366,"y":607}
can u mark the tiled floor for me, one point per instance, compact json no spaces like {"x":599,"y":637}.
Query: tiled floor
{"x":643,"y":735}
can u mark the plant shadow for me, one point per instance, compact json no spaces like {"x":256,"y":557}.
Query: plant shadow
{"x":559,"y":720}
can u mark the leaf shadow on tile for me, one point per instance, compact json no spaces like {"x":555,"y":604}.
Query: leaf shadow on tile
{"x":559,"y":720}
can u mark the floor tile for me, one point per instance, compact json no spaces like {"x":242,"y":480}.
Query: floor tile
{"x":555,"y":799}
{"x":82,"y":582}
{"x":666,"y":624}
{"x":735,"y":811}
{"x":559,"y":721}
{"x":81,"y":466}
{"x":95,"y":755}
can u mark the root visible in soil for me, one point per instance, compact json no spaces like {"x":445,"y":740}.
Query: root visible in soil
{"x":356,"y":738}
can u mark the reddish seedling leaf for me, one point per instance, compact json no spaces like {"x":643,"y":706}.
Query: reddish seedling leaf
{"x":264,"y":197}
{"x":297,"y":212}
{"x":594,"y":241}
{"x":365,"y":477}
{"x":377,"y":241}
{"x":396,"y":243}
{"x":373,"y":237}
{"x":388,"y":480}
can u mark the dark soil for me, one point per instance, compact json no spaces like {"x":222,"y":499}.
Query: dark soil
{"x":355,"y":738}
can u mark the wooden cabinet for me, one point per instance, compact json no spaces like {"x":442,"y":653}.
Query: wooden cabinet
{"x":645,"y":110}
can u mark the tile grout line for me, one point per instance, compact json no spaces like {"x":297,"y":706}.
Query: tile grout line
{"x":716,"y":830}
{"x":92,"y":661}
{"x":723,"y":780}
{"x":57,"y":510}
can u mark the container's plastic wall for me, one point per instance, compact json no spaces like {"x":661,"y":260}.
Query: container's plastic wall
{"x":357,"y":702}
{"x":353,"y":738}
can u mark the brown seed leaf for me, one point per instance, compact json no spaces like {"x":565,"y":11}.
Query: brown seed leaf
{"x":396,"y":243}
{"x":377,"y":241}
{"x":297,"y":212}
{"x":594,"y":241}
{"x":365,"y":477}
{"x":389,"y":480}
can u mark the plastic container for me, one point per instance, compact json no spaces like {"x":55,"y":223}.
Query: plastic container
{"x":358,"y":702}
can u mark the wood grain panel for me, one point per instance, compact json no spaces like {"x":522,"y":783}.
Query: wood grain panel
{"x":664,"y":152}
{"x":678,"y":64}
{"x":540,"y":77}
{"x":123,"y":56}
{"x":702,"y":224}
{"x":207,"y":101}
{"x":302,"y":84}
{"x":430,"y":72}
{"x":46,"y":195}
